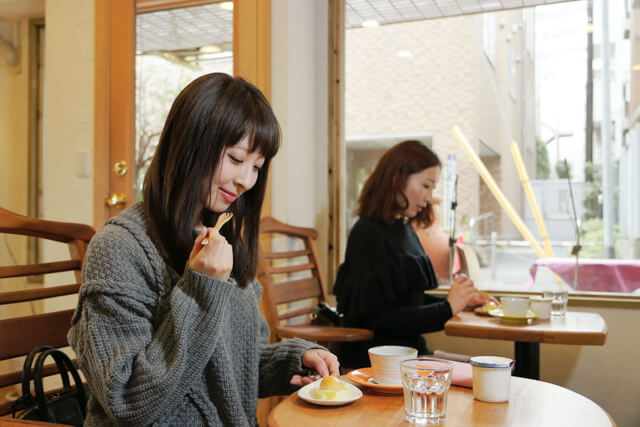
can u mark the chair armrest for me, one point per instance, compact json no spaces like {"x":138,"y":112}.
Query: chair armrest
{"x":7,"y":421}
{"x":325,"y":333}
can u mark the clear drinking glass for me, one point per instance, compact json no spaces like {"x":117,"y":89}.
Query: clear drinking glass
{"x":559,"y":298}
{"x":425,"y":384}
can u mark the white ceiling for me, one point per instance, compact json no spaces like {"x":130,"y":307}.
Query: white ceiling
{"x":189,"y":28}
{"x":192,"y":27}
{"x":184,"y":28}
{"x":393,"y":11}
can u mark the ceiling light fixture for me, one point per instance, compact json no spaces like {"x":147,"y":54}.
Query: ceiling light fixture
{"x":370,"y":23}
{"x":226,"y":5}
{"x":210,"y":49}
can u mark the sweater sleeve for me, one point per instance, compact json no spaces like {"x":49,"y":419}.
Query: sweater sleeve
{"x":137,"y":369}
{"x":279,"y":362}
{"x":409,"y":320}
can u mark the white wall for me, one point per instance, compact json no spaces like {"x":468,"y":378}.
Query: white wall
{"x":68,"y":123}
{"x":299,"y":99}
{"x":14,"y":137}
{"x":68,"y":110}
{"x":68,"y":128}
{"x":68,"y":104}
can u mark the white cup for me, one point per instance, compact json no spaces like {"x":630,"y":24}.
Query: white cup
{"x":542,"y":306}
{"x":385,"y":362}
{"x":514,"y":307}
{"x":491,"y":377}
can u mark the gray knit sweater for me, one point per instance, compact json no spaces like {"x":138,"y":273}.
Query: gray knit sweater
{"x":158,"y":348}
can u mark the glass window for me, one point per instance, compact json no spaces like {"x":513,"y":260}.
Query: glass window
{"x":513,"y":73}
{"x":489,"y":36}
{"x":503,"y":76}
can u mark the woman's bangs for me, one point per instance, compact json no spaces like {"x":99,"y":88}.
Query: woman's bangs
{"x":264,"y":137}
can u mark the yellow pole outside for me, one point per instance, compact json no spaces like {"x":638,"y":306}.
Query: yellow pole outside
{"x":524,"y":177}
{"x":497,"y":193}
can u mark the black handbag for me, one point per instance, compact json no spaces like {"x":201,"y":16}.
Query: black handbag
{"x":67,"y":406}
{"x":325,"y":315}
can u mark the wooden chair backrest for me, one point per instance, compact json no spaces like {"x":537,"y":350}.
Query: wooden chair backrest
{"x":276,"y":268}
{"x":19,"y":335}
{"x":469,"y":264}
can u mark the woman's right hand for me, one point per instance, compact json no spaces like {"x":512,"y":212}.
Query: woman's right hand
{"x":461,"y":293}
{"x":215,"y":259}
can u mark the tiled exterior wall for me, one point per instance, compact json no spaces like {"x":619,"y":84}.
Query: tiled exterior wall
{"x":488,"y":203}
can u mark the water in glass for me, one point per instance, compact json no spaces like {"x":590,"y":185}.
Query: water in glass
{"x":426,"y":384}
{"x":558,"y":307}
{"x":558,"y":302}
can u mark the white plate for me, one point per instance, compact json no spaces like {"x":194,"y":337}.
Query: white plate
{"x":305,"y":394}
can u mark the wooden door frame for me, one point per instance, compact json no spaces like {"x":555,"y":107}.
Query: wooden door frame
{"x":252,"y":54}
{"x":335,"y":133}
{"x":114,"y":112}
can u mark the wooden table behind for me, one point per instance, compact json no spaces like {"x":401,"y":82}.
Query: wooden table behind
{"x":532,"y":403}
{"x":574,"y":328}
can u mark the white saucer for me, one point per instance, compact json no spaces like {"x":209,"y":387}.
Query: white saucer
{"x":305,"y":394}
{"x":364,"y":376}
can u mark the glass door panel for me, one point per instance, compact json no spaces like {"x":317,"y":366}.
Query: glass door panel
{"x":173,"y":47}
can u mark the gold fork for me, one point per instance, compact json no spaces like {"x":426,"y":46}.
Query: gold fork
{"x":222,"y":220}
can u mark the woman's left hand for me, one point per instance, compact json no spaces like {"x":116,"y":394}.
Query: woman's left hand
{"x":482,"y":298}
{"x":321,"y":361}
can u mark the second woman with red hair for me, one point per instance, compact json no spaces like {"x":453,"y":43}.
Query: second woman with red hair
{"x":381,"y":284}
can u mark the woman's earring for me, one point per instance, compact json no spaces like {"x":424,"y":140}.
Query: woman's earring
{"x":405,"y":219}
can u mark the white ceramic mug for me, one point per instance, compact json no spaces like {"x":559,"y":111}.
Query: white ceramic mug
{"x":385,"y":362}
{"x":542,"y":306}
{"x":514,"y":306}
{"x":491,"y":377}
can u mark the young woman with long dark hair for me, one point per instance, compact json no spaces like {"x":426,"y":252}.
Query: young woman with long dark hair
{"x":167,"y":329}
{"x":381,"y":284}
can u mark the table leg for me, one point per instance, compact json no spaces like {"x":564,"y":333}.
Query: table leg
{"x":527,"y":355}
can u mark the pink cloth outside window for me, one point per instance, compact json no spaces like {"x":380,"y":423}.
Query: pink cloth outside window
{"x":599,"y":275}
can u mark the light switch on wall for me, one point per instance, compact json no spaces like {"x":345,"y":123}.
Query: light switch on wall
{"x":83,"y":164}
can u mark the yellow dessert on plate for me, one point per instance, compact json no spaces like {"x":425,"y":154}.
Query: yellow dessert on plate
{"x":485,"y":309}
{"x":331,"y":388}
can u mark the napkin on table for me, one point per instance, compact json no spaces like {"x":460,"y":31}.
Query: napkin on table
{"x":461,"y":375}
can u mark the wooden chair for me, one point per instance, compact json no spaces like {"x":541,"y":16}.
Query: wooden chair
{"x":19,"y":335}
{"x":469,"y":264}
{"x":275,"y":271}
{"x":435,"y":242}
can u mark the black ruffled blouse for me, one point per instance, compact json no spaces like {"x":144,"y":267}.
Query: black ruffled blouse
{"x":381,"y":286}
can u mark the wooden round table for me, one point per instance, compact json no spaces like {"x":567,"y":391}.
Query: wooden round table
{"x":532,"y":403}
{"x":11,"y":422}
